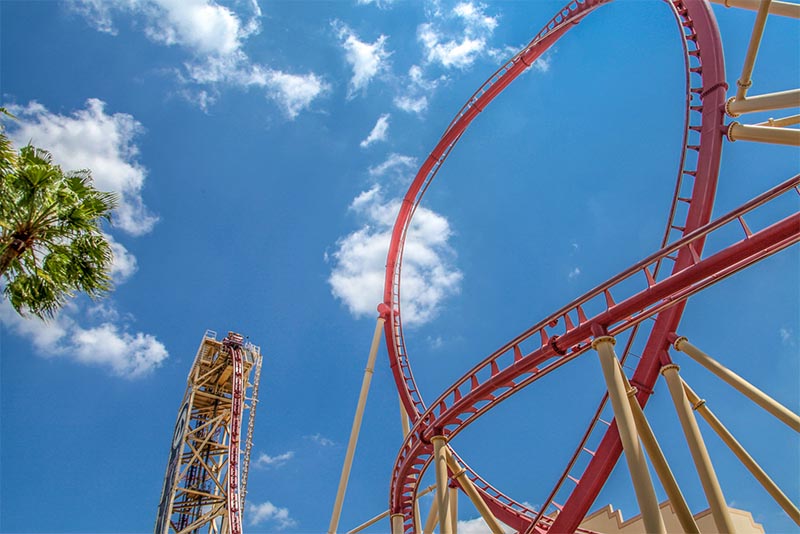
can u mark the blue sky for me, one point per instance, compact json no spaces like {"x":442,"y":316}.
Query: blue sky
{"x":260,"y":149}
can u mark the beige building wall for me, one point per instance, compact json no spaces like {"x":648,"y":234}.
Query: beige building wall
{"x":610,"y":521}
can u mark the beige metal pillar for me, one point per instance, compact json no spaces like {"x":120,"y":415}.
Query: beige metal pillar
{"x":784,"y":9}
{"x":440,"y":459}
{"x":702,"y":461}
{"x":433,"y":517}
{"x":768,"y":102}
{"x":659,"y":462}
{"x":642,"y":484}
{"x":351,"y":446}
{"x":460,"y":475}
{"x":740,"y":384}
{"x":397,"y":524}
{"x":783,"y":501}
{"x":453,"y":497}
{"x":745,"y":81}
{"x":763,"y":134}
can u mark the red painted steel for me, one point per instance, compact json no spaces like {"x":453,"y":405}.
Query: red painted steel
{"x":567,"y":333}
{"x":234,"y":344}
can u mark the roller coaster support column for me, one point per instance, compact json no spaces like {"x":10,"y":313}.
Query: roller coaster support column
{"x":351,"y":446}
{"x":699,"y":405}
{"x":469,"y":488}
{"x":737,"y":382}
{"x":397,"y":524}
{"x":702,"y":461}
{"x":784,"y":9}
{"x":659,"y":462}
{"x":642,"y":484}
{"x":440,"y":459}
{"x":453,"y":498}
{"x":433,"y":517}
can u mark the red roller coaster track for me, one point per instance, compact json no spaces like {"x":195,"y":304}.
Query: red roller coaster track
{"x":567,"y":333}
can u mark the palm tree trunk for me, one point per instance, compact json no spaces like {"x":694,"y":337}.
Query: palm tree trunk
{"x":12,"y":251}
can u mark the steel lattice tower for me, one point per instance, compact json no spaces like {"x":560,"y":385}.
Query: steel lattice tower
{"x":206,"y":479}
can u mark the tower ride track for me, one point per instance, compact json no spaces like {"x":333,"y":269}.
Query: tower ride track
{"x":666,"y":279}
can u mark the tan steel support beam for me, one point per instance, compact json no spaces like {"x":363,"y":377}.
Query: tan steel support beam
{"x":768,"y":102}
{"x":385,"y":514}
{"x":784,"y":9}
{"x":702,"y":461}
{"x":763,"y":134}
{"x":745,"y":81}
{"x":785,"y":121}
{"x":460,"y":475}
{"x":740,"y":384}
{"x":440,"y":460}
{"x":642,"y":484}
{"x":702,"y":408}
{"x":397,"y":524}
{"x":433,"y":517}
{"x":453,"y":497}
{"x":659,"y":462}
{"x":351,"y":446}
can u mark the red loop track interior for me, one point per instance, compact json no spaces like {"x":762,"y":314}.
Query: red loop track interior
{"x":566,"y":334}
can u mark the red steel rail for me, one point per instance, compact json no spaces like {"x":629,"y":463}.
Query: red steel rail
{"x":237,"y":404}
{"x":663,"y":299}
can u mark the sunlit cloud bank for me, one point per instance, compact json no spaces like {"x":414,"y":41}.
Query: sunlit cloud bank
{"x":429,"y":273}
{"x":213,"y":36}
{"x":379,"y":132}
{"x":105,"y":143}
{"x":367,"y":60}
{"x":92,"y":139}
{"x":268,"y":513}
{"x":109,"y":345}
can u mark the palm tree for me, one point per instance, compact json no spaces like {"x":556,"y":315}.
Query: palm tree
{"x":51,"y":242}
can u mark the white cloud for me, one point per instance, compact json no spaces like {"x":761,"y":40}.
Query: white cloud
{"x":574,"y":273}
{"x":366,"y":59}
{"x":457,"y":48}
{"x":397,"y":164}
{"x":294,"y":92}
{"x":379,"y":131}
{"x":201,"y":26}
{"x":478,"y":526}
{"x":321,"y":440}
{"x":214,"y":36}
{"x":428,"y":274}
{"x":787,"y":336}
{"x":92,"y":139}
{"x":265,"y":460}
{"x":124,"y":264}
{"x":106,"y":345}
{"x":266,"y":511}
{"x":411,"y":104}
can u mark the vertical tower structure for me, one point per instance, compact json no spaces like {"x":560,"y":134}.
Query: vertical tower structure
{"x":206,"y":480}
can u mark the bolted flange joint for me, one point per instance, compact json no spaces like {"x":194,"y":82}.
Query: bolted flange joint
{"x":670,"y":367}
{"x":603,"y":339}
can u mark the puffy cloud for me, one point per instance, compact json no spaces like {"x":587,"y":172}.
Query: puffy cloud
{"x":92,"y":139}
{"x":478,"y":526}
{"x":358,"y":262}
{"x":213,"y":35}
{"x":397,"y":164}
{"x":379,"y":131}
{"x":366,"y":59}
{"x":321,"y":440}
{"x":574,"y":273}
{"x":201,"y":26}
{"x":265,"y":460}
{"x":124,"y":264}
{"x":294,"y":92}
{"x":106,"y":345}
{"x":268,"y":512}
{"x":457,"y":49}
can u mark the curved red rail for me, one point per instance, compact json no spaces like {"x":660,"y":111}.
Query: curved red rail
{"x":695,"y":187}
{"x":237,"y":404}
